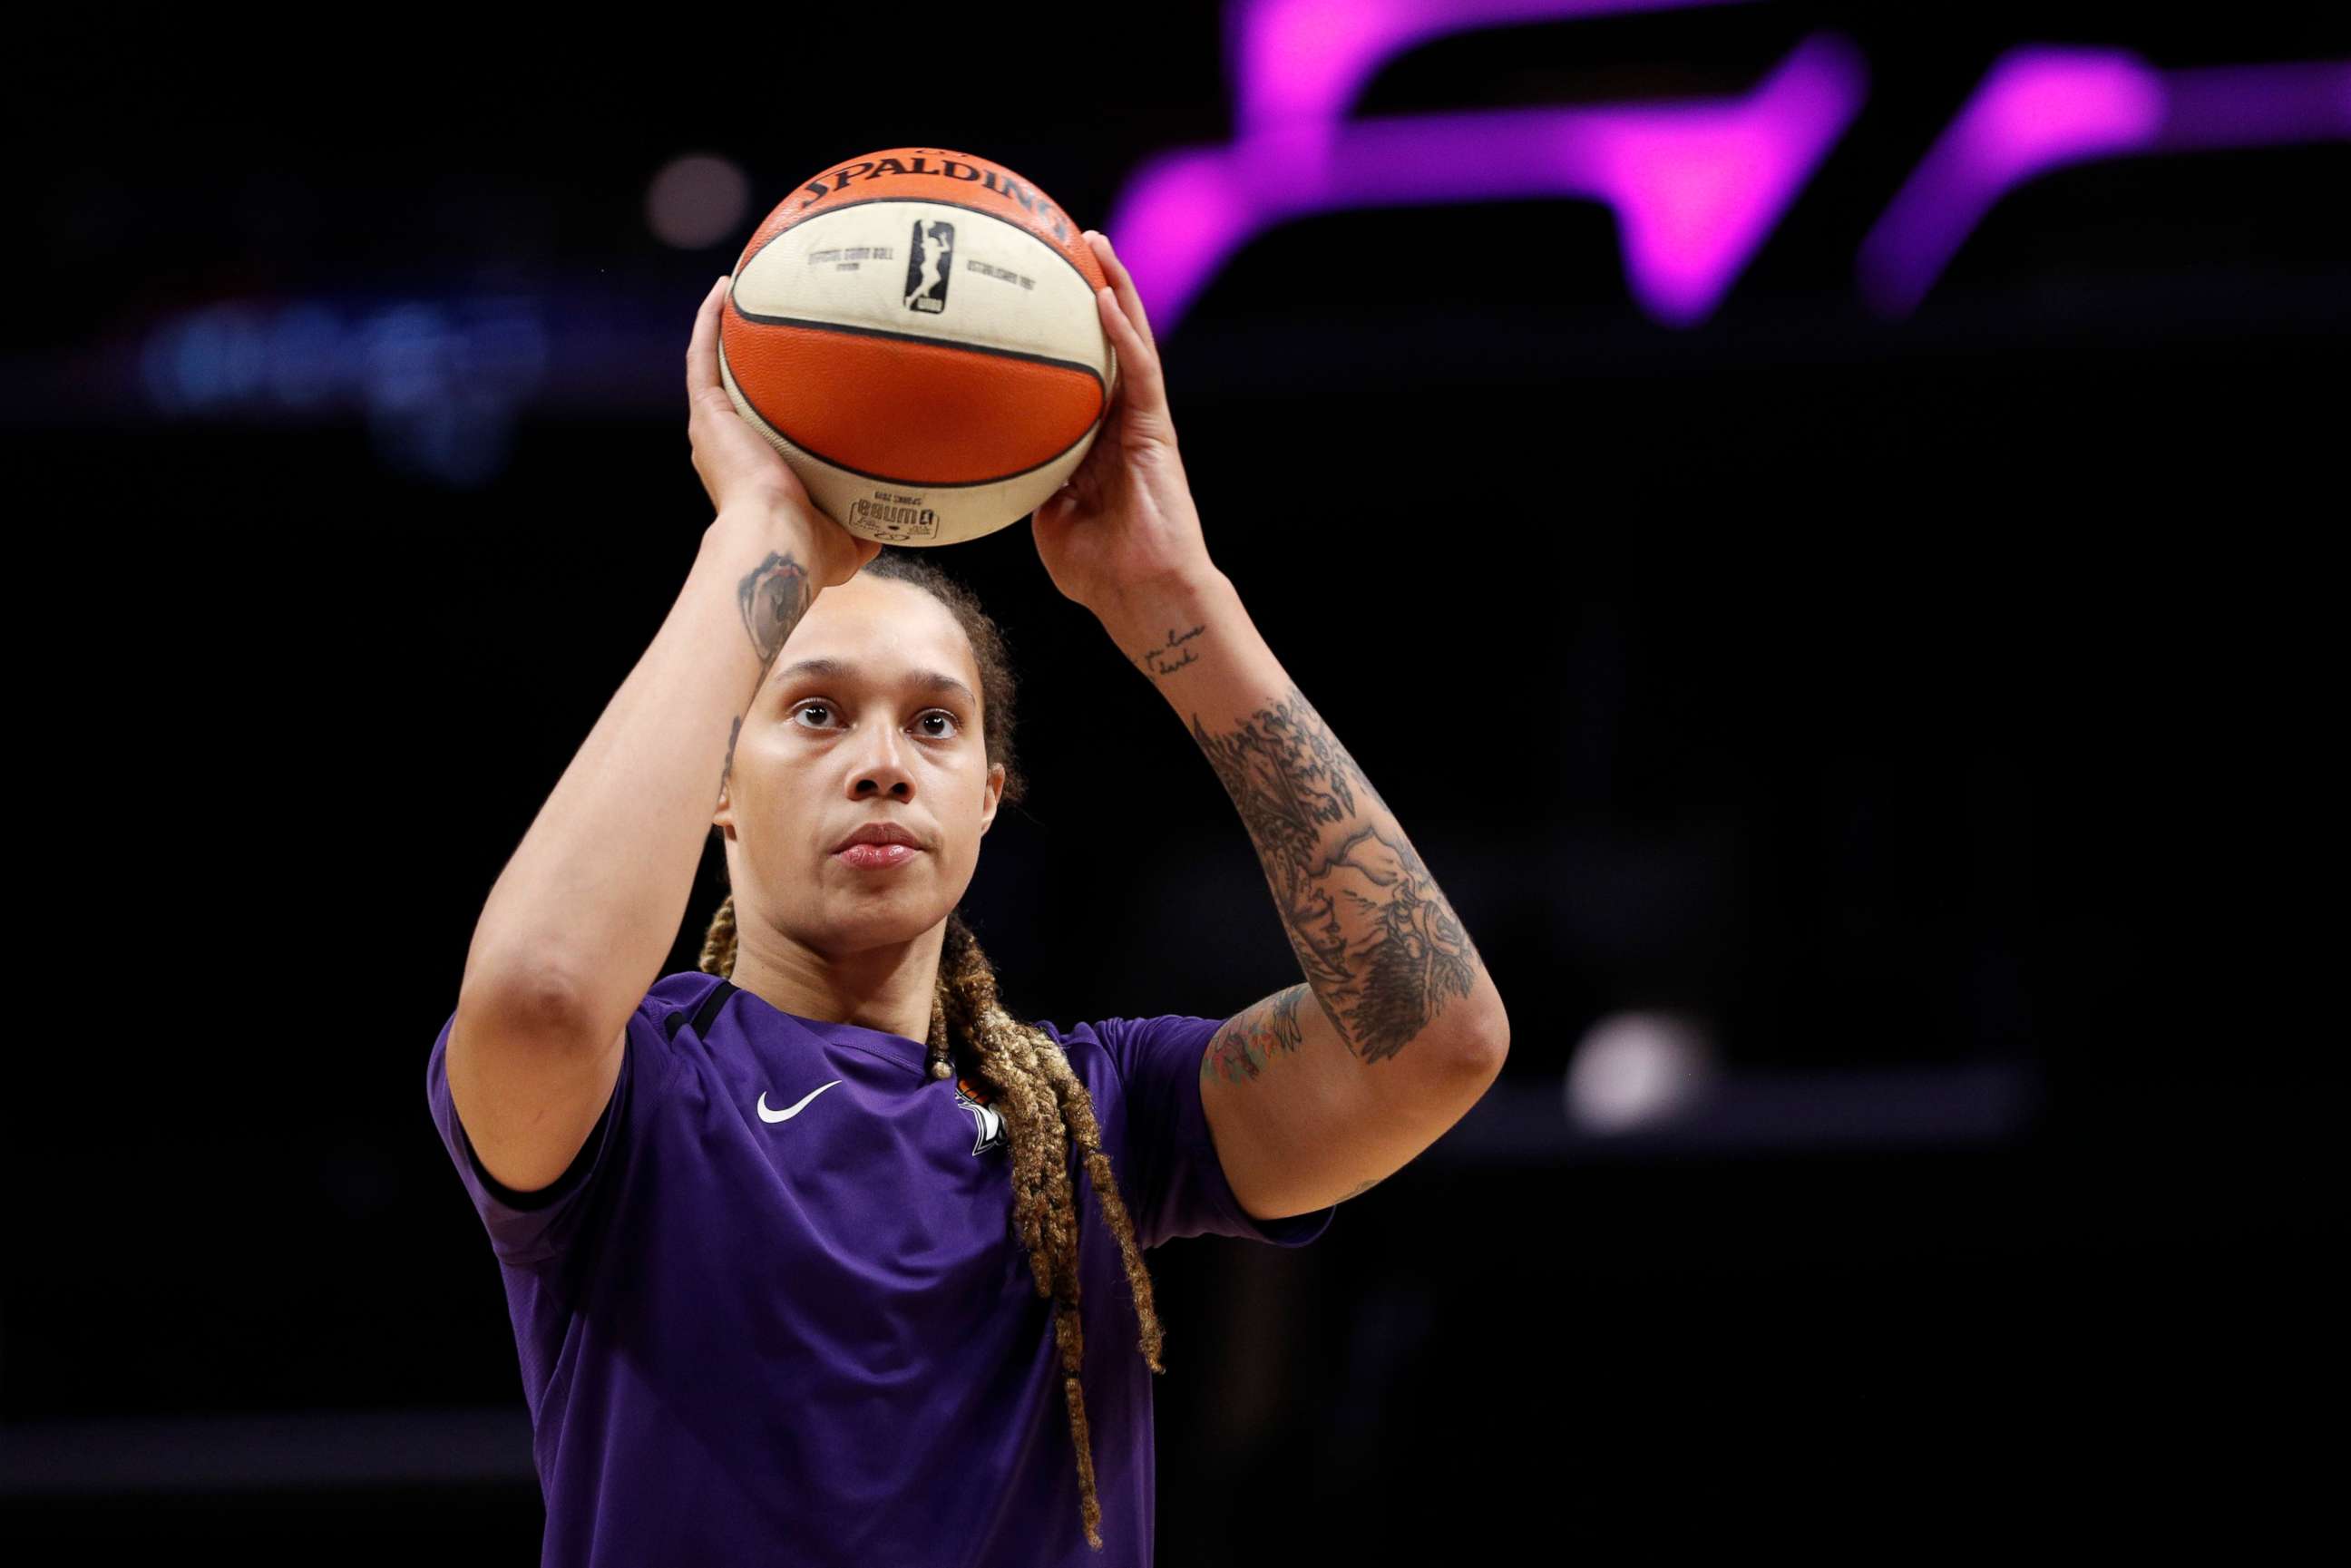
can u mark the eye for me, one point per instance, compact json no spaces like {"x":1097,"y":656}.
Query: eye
{"x":954,"y":724}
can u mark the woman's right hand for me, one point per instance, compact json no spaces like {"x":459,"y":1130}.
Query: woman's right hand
{"x":742,"y":470}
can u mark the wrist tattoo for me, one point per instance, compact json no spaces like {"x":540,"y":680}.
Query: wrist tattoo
{"x":1163,"y":660}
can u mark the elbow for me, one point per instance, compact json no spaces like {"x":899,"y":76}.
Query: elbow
{"x":1490,"y":1059}
{"x":535,"y":992}
{"x":1486,"y":1047}
{"x":1493,"y":1031}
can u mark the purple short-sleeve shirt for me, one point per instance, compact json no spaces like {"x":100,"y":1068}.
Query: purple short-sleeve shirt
{"x":775,"y":1311}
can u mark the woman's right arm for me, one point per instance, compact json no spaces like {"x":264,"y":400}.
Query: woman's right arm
{"x":583,"y":917}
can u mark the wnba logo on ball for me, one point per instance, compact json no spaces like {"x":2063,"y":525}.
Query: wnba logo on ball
{"x":930,"y":262}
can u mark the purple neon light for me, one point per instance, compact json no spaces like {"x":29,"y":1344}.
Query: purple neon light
{"x":1301,"y":62}
{"x":1696,"y":185}
{"x":2043,"y":107}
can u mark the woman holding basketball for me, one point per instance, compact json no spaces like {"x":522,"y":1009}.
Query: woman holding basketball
{"x":815,"y":1254}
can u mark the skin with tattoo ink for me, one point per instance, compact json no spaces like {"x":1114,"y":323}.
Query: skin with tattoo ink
{"x":1382,"y":949}
{"x":772,"y":596}
{"x":1162,"y":661}
{"x":1249,"y":1038}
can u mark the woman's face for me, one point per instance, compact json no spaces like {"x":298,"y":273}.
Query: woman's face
{"x":871,"y":713}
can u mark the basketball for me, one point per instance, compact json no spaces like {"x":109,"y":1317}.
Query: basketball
{"x":916,"y":332}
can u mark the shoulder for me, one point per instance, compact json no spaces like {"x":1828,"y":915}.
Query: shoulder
{"x":1090,"y":1046}
{"x":1140,"y":1051}
{"x":675,"y":999}
{"x":1092,"y":1038}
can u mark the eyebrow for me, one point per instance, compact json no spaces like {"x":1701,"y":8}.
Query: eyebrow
{"x":840,"y":669}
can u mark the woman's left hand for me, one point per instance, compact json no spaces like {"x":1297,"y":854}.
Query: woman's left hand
{"x":1125,"y":522}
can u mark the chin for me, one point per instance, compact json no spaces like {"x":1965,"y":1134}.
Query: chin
{"x":873,"y":916}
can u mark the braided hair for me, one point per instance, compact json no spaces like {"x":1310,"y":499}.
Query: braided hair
{"x":1046,"y":1109}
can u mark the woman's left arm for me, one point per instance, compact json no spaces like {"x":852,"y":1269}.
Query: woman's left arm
{"x":1392,"y":974}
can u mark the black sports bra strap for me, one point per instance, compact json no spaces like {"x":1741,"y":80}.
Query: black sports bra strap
{"x":708,"y":1010}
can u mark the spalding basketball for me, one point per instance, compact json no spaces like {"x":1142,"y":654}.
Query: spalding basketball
{"x":916,"y":332}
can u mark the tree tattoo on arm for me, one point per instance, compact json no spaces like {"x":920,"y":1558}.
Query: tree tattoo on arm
{"x":1381,"y":948}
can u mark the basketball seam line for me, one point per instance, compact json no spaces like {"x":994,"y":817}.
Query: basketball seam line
{"x":934,"y":201}
{"x":777,"y":433}
{"x":919,"y":337}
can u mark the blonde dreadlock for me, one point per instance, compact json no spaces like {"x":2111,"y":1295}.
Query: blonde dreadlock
{"x":1046,"y":1109}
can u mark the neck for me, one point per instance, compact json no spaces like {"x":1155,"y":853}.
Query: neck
{"x":889,"y":988}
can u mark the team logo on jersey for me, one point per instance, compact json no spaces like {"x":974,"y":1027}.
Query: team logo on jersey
{"x":974,"y":1099}
{"x":930,"y":262}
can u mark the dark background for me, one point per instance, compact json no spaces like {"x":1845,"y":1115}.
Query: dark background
{"x":1930,"y":707}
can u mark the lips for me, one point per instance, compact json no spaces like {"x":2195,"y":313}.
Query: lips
{"x":877,"y":856}
{"x":879,"y":833}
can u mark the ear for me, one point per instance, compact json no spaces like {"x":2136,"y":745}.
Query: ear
{"x":995,"y":793}
{"x":722,"y":815}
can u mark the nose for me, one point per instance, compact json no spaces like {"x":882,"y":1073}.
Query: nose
{"x":882,"y":773}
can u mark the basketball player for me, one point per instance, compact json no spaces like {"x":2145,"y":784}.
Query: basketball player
{"x":815,"y":1254}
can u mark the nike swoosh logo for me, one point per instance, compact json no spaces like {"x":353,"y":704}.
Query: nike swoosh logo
{"x":768,"y":1115}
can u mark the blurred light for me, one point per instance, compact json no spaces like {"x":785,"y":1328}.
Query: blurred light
{"x":438,"y":381}
{"x":1303,"y":61}
{"x":158,"y":367}
{"x":244,"y":356}
{"x":2040,"y":109}
{"x":402,"y":356}
{"x":1637,"y":1070}
{"x":1697,"y":185}
{"x":460,"y":440}
{"x":696,"y":200}
{"x":212,"y":357}
{"x":304,"y":343}
{"x":507,"y":353}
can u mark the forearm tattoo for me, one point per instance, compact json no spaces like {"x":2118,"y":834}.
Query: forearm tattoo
{"x":1381,"y":948}
{"x":773,"y":595}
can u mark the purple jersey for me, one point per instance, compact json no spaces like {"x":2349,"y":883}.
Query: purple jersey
{"x":775,"y":1311}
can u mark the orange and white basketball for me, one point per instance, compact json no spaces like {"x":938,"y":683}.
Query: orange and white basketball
{"x":916,"y":331}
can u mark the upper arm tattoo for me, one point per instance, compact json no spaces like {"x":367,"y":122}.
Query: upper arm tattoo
{"x":1251,"y":1036}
